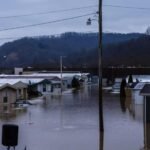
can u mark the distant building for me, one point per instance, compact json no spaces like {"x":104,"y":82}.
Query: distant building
{"x":48,"y":86}
{"x":44,"y":86}
{"x":18,"y":71}
{"x":41,"y":83}
{"x":116,"y":85}
{"x":56,"y":87}
{"x":95,"y":79}
{"x":67,"y":82}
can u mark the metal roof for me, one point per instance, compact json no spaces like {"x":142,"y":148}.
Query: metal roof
{"x":139,"y":86}
{"x":43,"y":75}
{"x":14,"y":81}
{"x":7,"y":85}
{"x":145,"y":90}
{"x":141,"y":78}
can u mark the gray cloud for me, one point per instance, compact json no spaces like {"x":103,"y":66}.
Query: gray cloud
{"x":126,"y":20}
{"x":114,"y":19}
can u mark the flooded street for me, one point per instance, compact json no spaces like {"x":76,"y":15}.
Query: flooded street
{"x":70,"y":122}
{"x":123,"y":125}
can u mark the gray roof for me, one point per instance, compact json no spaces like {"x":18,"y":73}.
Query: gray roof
{"x":7,"y":85}
{"x":20,"y":84}
{"x":141,"y":78}
{"x":145,"y":90}
{"x":139,"y":86}
{"x":41,"y":75}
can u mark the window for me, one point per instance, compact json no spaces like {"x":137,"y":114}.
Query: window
{"x":5,"y":99}
{"x":19,"y":91}
{"x":44,"y":87}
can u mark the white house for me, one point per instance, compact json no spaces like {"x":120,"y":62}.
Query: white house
{"x":136,"y":97}
{"x":146,"y":93}
{"x":48,"y":87}
{"x":18,"y":71}
{"x":44,"y":86}
{"x":140,"y":78}
{"x":56,"y":88}
{"x":67,"y":81}
{"x":95,"y":79}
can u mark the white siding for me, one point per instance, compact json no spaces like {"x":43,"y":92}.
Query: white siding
{"x":137,"y":98}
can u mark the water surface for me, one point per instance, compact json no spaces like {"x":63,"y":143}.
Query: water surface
{"x":70,"y":122}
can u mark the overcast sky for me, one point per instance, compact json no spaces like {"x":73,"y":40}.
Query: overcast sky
{"x":114,"y":19}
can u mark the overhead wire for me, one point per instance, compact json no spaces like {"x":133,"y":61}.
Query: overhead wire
{"x":60,"y":20}
{"x":71,"y":9}
{"x":47,"y":12}
{"x":44,"y":23}
{"x":127,"y":7}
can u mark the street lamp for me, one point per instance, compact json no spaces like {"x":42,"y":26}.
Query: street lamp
{"x":61,"y":67}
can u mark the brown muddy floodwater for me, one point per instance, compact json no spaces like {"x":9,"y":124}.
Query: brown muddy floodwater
{"x":70,"y":122}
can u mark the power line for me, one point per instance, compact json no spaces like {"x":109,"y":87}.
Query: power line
{"x":65,"y":19}
{"x":47,"y":12}
{"x":44,"y":23}
{"x":127,"y":7}
{"x":71,"y":9}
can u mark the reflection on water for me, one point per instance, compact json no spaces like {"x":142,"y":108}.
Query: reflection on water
{"x":101,"y":141}
{"x":70,"y":122}
{"x":127,"y":104}
{"x":147,"y":123}
{"x":123,"y":123}
{"x":147,"y":136}
{"x":122,"y":104}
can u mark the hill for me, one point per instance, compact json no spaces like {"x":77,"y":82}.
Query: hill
{"x":45,"y":52}
{"x":134,"y":52}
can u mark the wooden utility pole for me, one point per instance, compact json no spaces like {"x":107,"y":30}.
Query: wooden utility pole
{"x":101,"y":123}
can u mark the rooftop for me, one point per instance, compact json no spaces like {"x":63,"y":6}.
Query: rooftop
{"x":145,"y":90}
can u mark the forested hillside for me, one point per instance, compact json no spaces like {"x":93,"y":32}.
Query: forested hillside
{"x":80,"y":50}
{"x":135,"y":52}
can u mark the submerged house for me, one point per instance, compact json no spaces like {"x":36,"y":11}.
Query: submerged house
{"x":22,"y":90}
{"x":67,"y":82}
{"x":136,"y":97}
{"x":47,"y":87}
{"x":116,"y":85}
{"x":44,"y":86}
{"x":7,"y":98}
{"x":95,"y":79}
{"x":146,"y":93}
{"x":56,"y":87}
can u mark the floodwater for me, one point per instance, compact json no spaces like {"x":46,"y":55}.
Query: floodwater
{"x":70,"y":122}
{"x":123,"y":121}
